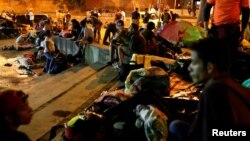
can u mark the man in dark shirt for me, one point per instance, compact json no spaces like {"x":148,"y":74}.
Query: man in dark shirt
{"x":223,"y":104}
{"x":136,"y":44}
{"x":135,"y":16}
{"x":148,"y":34}
{"x":14,"y":111}
{"x":146,"y":16}
{"x":165,"y":16}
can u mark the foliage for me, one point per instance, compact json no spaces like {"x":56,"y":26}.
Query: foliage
{"x":27,"y":3}
{"x":71,"y":4}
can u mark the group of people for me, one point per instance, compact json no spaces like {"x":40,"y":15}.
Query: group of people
{"x":126,"y":42}
{"x":8,"y":15}
{"x":63,"y":19}
{"x":223,"y":103}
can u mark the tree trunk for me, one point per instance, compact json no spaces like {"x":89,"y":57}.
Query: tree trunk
{"x":200,"y":17}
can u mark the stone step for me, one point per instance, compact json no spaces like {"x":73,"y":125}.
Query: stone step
{"x":53,"y":86}
{"x":55,"y":111}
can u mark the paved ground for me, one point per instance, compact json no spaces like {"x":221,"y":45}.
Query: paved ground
{"x":9,"y":76}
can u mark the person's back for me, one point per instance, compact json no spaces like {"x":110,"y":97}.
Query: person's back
{"x":136,"y":17}
{"x":165,"y":17}
{"x":146,"y":16}
{"x":151,"y":47}
{"x":137,"y":43}
{"x":226,"y":12}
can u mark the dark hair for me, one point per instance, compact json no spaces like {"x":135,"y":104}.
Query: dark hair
{"x":83,"y":23}
{"x":135,"y":26}
{"x":48,"y":33}
{"x":150,"y":25}
{"x":120,"y":23}
{"x":212,"y":50}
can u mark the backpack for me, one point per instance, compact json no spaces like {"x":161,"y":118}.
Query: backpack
{"x":60,"y":64}
{"x":83,"y":127}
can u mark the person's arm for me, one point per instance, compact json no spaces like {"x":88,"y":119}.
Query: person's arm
{"x":206,"y":15}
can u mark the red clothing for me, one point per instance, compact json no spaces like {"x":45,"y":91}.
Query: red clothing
{"x":227,"y":11}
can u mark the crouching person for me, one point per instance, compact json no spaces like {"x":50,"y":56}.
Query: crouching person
{"x":14,"y":111}
{"x":49,"y":50}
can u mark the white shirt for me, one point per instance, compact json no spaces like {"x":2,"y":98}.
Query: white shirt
{"x":31,"y":16}
{"x":50,"y":47}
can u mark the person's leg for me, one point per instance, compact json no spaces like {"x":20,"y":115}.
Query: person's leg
{"x":50,"y":62}
{"x":120,"y":55}
{"x":112,"y":50}
{"x":106,"y":35}
{"x":95,"y":31}
{"x":46,"y":67}
{"x":178,"y":130}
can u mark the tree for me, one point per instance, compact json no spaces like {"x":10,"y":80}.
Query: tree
{"x":27,"y":3}
{"x":78,"y":5}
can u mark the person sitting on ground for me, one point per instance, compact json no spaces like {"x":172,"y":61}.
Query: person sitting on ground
{"x":119,"y":39}
{"x":223,"y":104}
{"x":23,"y":41}
{"x":14,"y":111}
{"x":49,"y":50}
{"x":149,"y":35}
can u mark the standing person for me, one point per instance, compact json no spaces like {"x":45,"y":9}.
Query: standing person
{"x":31,"y":17}
{"x":49,"y":51}
{"x":136,"y":16}
{"x":223,"y":103}
{"x":189,"y":8}
{"x":67,"y":20}
{"x":226,"y":21}
{"x":123,"y":15}
{"x":145,"y":18}
{"x":14,"y":111}
{"x":166,"y":17}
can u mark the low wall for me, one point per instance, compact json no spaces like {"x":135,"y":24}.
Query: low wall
{"x":94,"y":53}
